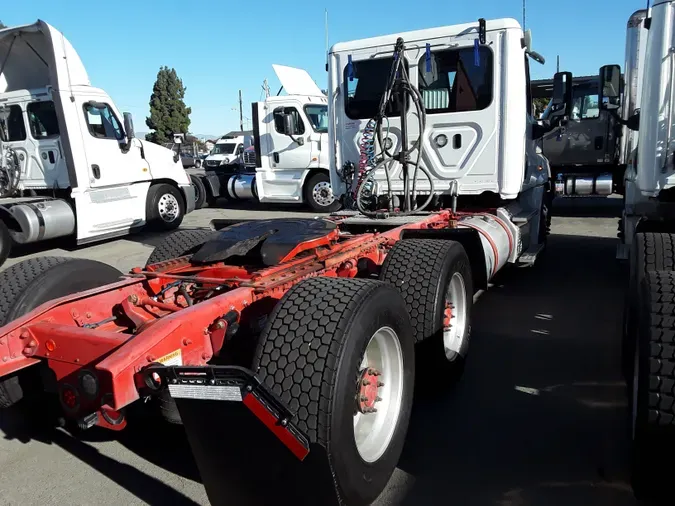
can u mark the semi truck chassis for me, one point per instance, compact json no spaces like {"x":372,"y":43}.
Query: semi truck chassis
{"x":205,"y":330}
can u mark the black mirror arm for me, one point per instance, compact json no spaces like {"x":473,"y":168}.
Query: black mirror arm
{"x":632,"y":123}
{"x":541,"y":128}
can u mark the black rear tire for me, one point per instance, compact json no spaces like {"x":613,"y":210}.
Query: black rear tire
{"x":200,"y":191}
{"x":310,"y":353}
{"x":31,"y":283}
{"x":319,"y":178}
{"x":421,"y":269}
{"x":165,"y":207}
{"x":654,"y":412}
{"x":180,"y":243}
{"x":5,"y":243}
{"x":650,"y":252}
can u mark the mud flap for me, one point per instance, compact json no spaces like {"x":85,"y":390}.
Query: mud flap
{"x":244,"y":442}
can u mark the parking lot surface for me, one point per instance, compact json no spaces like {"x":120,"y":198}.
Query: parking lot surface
{"x":539,"y":417}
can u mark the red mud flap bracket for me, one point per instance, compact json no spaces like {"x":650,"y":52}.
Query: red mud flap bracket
{"x":236,"y":384}
{"x":240,"y":433}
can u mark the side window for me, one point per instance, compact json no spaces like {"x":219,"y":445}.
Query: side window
{"x":42,"y":120}
{"x":12,"y":128}
{"x":279,"y":120}
{"x":456,"y":80}
{"x":363,"y":88}
{"x":102,"y":122}
{"x":589,"y":107}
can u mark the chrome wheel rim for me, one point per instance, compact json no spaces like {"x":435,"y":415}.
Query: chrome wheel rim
{"x":168,"y":207}
{"x":455,"y":317}
{"x":374,"y":429}
{"x":322,"y":194}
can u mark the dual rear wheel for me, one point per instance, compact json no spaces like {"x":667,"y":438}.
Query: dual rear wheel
{"x":341,"y":354}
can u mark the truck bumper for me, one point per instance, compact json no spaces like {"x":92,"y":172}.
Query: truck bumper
{"x":189,"y":194}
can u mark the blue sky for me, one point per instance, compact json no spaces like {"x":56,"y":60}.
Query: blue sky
{"x":218,"y":48}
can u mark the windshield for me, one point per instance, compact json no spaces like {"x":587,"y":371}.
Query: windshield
{"x":223,"y":149}
{"x":318,"y":117}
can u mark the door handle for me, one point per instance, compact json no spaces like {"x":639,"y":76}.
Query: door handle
{"x":275,"y":155}
{"x":96,"y":170}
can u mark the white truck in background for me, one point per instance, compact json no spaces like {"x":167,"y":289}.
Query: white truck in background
{"x":228,"y":151}
{"x":289,"y":160}
{"x":69,"y":162}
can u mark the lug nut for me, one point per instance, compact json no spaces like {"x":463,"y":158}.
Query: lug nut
{"x":366,"y":383}
{"x":133,"y":298}
{"x":378,"y":398}
{"x":364,"y":398}
{"x":380,"y":384}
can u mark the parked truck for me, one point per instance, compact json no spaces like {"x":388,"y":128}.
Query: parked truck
{"x":288,"y":348}
{"x":585,"y":153}
{"x":647,"y":240}
{"x":70,"y":165}
{"x":280,"y":166}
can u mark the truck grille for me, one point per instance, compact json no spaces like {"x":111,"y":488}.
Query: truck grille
{"x":212,"y":163}
{"x":249,"y":158}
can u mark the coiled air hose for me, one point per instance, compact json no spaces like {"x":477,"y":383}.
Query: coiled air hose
{"x":398,"y":82}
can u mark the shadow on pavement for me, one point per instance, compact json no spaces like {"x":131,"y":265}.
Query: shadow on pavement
{"x":539,"y":416}
{"x":17,"y":423}
{"x":588,"y":207}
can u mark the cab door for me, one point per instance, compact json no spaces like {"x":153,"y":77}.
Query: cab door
{"x":118,"y":177}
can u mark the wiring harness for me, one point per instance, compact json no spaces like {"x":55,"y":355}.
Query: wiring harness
{"x":399,"y":89}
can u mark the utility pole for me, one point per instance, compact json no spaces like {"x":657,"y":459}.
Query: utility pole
{"x":557,"y":65}
{"x":241,"y":114}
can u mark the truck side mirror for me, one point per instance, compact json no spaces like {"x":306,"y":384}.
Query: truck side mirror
{"x":129,"y":126}
{"x":610,"y":87}
{"x":561,"y":103}
{"x":289,"y":124}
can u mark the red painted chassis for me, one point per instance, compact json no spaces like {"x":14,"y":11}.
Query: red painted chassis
{"x":90,"y":331}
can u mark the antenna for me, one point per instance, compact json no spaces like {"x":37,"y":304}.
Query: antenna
{"x":557,"y":68}
{"x":326,"y":30}
{"x":524,"y":1}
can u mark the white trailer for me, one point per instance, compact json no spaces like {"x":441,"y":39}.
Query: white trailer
{"x":69,"y":162}
{"x":289,"y":162}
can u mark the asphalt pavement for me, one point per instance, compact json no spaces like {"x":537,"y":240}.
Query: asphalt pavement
{"x":539,"y":417}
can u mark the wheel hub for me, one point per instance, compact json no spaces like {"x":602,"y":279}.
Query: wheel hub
{"x":367,"y":390}
{"x":168,"y":207}
{"x":323,"y":194}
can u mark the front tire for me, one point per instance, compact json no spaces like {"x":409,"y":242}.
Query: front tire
{"x":653,"y":398}
{"x":318,"y":353}
{"x":200,"y":191}
{"x":165,"y":207}
{"x":319,"y":194}
{"x":650,"y":252}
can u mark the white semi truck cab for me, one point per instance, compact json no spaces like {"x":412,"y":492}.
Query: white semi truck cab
{"x":468,"y":140}
{"x":647,"y":241}
{"x":69,"y":162}
{"x":228,"y":151}
{"x":289,"y":161}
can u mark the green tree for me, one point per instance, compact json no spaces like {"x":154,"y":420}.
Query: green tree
{"x":2,"y":25}
{"x":168,"y":112}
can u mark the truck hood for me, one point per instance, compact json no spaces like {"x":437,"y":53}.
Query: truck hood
{"x":162,"y":164}
{"x":37,"y":56}
{"x":296,"y":81}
